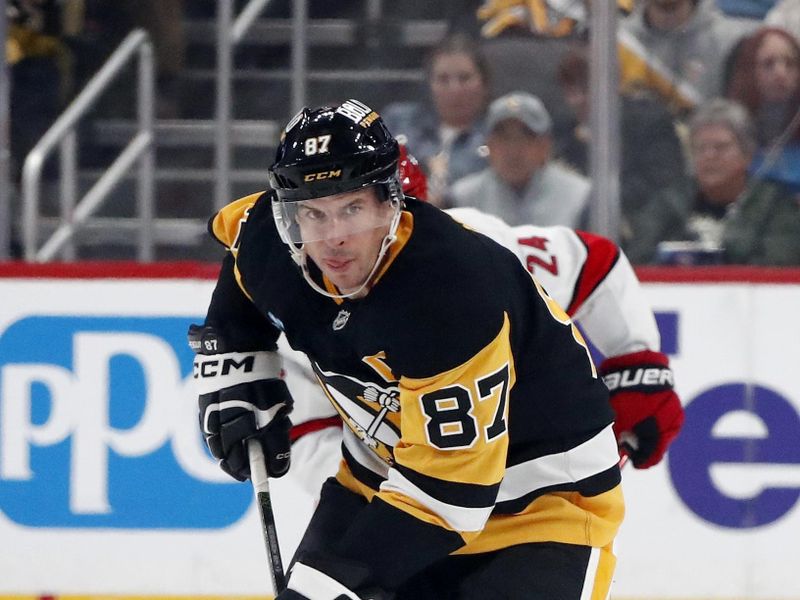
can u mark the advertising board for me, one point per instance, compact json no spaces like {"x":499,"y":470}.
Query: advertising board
{"x":106,"y":488}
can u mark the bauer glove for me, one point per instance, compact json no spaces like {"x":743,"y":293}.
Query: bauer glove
{"x":648,"y":412}
{"x":242,"y":396}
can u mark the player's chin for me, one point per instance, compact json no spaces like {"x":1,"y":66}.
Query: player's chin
{"x":347,"y":281}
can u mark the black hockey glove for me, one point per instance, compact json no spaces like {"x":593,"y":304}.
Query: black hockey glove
{"x":241,"y":396}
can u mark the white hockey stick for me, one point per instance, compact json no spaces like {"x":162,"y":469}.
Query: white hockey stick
{"x":260,"y":480}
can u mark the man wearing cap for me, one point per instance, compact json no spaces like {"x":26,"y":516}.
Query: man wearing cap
{"x":521,"y":184}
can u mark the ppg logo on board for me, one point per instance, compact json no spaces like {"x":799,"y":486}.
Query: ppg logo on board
{"x":98,"y":428}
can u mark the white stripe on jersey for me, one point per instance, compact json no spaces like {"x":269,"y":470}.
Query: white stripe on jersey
{"x":591,"y":574}
{"x":363,"y":455}
{"x":617,"y":318}
{"x":594,"y":456}
{"x":459,"y":518}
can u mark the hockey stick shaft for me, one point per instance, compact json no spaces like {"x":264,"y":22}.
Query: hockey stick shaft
{"x":260,"y":480}
{"x":628,"y":444}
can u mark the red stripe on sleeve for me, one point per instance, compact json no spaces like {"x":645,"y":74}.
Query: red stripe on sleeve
{"x":302,"y":429}
{"x":602,"y":255}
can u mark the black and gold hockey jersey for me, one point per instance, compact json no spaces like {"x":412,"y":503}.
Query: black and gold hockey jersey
{"x":474,"y":417}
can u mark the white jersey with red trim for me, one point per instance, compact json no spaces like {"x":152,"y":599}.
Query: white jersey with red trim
{"x":588,"y":275}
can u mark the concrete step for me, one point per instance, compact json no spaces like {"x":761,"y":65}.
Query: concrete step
{"x":337,"y":75}
{"x":324,"y":32}
{"x":103,"y":238}
{"x":187,"y":132}
{"x":252,"y":177}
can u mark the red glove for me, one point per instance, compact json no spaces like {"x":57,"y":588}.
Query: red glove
{"x":649,"y":413}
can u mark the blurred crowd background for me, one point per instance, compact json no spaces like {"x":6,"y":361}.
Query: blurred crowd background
{"x":491,"y":96}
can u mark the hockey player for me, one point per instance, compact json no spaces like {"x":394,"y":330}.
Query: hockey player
{"x":479,"y":455}
{"x":587,"y":274}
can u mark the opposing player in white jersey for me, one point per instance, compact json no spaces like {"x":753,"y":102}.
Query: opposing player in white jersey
{"x":592,"y":279}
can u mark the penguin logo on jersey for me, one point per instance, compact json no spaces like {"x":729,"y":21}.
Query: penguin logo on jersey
{"x":365,"y":407}
{"x":341,"y":320}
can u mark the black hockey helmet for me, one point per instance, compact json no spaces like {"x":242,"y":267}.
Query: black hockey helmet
{"x":334,"y":149}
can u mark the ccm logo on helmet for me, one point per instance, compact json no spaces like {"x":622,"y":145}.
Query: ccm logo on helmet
{"x":322,"y":175}
{"x":643,"y":377}
{"x":212,"y":368}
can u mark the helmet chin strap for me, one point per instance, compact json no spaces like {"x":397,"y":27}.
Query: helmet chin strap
{"x":301,"y":258}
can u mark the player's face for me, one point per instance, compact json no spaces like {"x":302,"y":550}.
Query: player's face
{"x":719,"y":160}
{"x":343,"y":234}
{"x":777,"y":69}
{"x":515,"y":153}
{"x":458,"y":89}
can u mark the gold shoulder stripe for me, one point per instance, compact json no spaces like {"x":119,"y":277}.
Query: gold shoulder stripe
{"x":226,"y":223}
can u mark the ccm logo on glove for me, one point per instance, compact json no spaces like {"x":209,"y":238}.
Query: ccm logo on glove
{"x":219,"y":371}
{"x":208,"y":368}
{"x":242,"y":396}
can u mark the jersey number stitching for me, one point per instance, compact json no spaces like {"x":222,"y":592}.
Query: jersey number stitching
{"x":540,"y":243}
{"x":451,"y":423}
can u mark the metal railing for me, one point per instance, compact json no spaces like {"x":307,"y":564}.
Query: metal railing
{"x":5,"y":151}
{"x":231,"y":32}
{"x":604,"y":152}
{"x":62,"y":134}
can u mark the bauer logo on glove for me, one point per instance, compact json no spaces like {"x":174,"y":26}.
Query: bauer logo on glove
{"x":639,"y":378}
{"x":649,"y":414}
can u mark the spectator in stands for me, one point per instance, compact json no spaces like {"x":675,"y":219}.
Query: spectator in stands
{"x":654,"y":189}
{"x":674,"y":47}
{"x":678,"y":48}
{"x":522,"y":184}
{"x":107,"y":23}
{"x":765,"y":78}
{"x":163,"y":19}
{"x":749,"y":221}
{"x":39,"y":66}
{"x":541,"y":18}
{"x":786,"y":15}
{"x":447,"y":134}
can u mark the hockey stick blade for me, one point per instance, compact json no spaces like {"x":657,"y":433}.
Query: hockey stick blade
{"x":260,"y":480}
